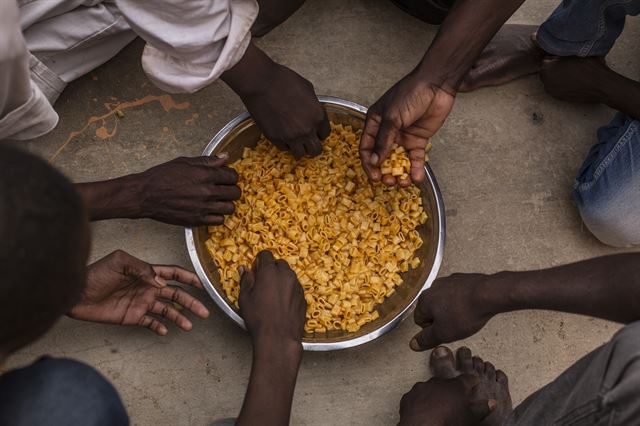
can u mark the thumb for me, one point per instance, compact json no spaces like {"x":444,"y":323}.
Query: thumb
{"x":482,"y":408}
{"x":425,"y":339}
{"x":247,"y":278}
{"x":217,"y":160}
{"x":386,"y":137}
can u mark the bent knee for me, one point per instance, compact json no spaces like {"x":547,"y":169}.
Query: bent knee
{"x":613,"y":221}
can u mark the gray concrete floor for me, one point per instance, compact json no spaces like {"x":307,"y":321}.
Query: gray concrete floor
{"x":506,"y":182}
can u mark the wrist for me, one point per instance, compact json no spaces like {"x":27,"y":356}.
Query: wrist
{"x":252,"y":74}
{"x":114,"y":198}
{"x":497,"y":293}
{"x":277,"y":347}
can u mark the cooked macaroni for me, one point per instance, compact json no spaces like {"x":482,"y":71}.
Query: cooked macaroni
{"x":397,"y":164}
{"x":347,"y":240}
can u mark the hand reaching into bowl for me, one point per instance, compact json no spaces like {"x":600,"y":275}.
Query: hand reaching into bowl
{"x":273,"y":307}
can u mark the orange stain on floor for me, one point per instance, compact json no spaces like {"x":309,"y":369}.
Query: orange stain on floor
{"x":166,"y":102}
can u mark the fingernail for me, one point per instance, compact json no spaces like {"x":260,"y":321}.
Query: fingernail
{"x":414,"y":344}
{"x":493,"y":404}
{"x":161,"y":281}
{"x":440,"y":352}
{"x":374,"y":159}
{"x":223,"y":155}
{"x":241,"y":270}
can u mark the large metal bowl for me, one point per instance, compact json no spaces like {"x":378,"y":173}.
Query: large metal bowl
{"x":242,"y":132}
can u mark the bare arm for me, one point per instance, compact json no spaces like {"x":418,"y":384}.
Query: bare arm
{"x":458,"y":306}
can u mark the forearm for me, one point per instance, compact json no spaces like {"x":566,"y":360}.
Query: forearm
{"x":605,"y":287}
{"x":624,"y":95}
{"x":251,"y":74}
{"x":468,"y":28}
{"x":273,"y":378}
{"x":110,"y":199}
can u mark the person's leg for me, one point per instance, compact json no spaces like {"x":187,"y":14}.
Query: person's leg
{"x":59,"y":392}
{"x":576,"y":28}
{"x":70,"y":38}
{"x":602,"y":388}
{"x":607,"y":188}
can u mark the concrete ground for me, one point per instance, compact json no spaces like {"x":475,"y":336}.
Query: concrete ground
{"x":505,"y":177}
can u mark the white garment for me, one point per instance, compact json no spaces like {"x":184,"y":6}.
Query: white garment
{"x":49,"y":43}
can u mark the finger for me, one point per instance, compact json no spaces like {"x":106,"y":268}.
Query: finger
{"x":389,"y":180}
{"x":172,"y":314}
{"x":404,"y":182}
{"x":441,"y":363}
{"x":224,"y":192}
{"x":178,"y":274}
{"x":367,"y":143}
{"x":426,"y":339}
{"x":153,"y":325}
{"x":218,"y":160}
{"x":482,"y":408}
{"x":416,"y":157}
{"x":265,"y":257}
{"x":224,"y":176}
{"x":464,"y":362}
{"x":325,"y":128}
{"x":313,"y":146}
{"x":386,"y":137}
{"x":422,"y":315}
{"x":247,"y":278}
{"x":181,"y":297}
{"x":297,"y":148}
{"x":221,"y":207}
{"x":211,"y":219}
{"x":134,"y":267}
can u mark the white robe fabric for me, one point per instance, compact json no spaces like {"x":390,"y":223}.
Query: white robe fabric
{"x":45,"y":44}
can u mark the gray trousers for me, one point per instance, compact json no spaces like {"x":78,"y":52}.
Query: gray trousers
{"x":603,"y":388}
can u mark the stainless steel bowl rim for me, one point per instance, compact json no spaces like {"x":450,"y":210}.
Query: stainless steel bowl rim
{"x":322,"y":346}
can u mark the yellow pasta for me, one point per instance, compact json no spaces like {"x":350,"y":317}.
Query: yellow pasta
{"x":397,"y":164}
{"x":347,"y":240}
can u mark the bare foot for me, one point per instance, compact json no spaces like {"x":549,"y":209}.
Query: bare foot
{"x":511,"y":54}
{"x":492,"y":385}
{"x":577,"y":79}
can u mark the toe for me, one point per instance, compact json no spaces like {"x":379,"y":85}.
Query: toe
{"x":489,"y":371}
{"x":442,"y":363}
{"x":501,"y":377}
{"x":463,"y":357}
{"x":478,"y":364}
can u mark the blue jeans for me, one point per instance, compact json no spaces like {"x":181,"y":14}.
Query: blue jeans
{"x":607,"y":188}
{"x":56,"y":392}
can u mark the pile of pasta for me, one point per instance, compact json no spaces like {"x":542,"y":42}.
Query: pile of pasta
{"x":348,"y":240}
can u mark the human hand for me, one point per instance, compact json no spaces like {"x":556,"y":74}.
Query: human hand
{"x":455,"y":307}
{"x":186,"y":191}
{"x":283,"y":103}
{"x":289,"y":113}
{"x":122,"y":289}
{"x":272,"y":301}
{"x":408,"y":114}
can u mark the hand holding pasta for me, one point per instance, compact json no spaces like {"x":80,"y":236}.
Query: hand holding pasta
{"x":347,"y":239}
{"x":396,"y":167}
{"x":271,"y":300}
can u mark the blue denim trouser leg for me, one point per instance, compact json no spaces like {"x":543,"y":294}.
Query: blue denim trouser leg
{"x":607,"y":189}
{"x":585,"y":27}
{"x":56,"y":392}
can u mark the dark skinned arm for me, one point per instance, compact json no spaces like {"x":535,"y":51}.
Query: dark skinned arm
{"x":273,"y":307}
{"x":415,"y":108}
{"x":458,"y":306}
{"x":185,"y":192}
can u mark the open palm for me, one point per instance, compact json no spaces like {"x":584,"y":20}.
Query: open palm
{"x":122,"y":289}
